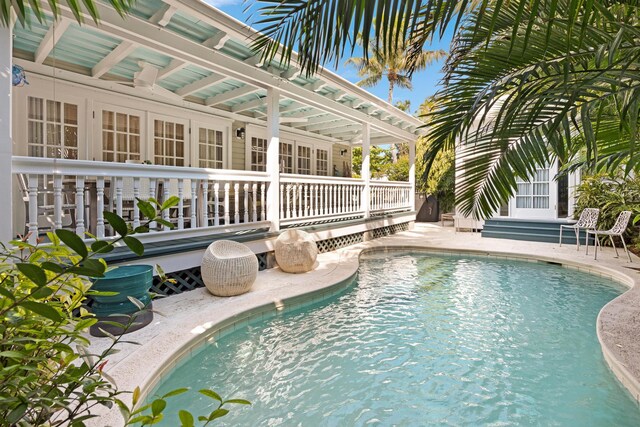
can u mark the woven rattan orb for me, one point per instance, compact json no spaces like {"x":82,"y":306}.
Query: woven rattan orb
{"x":296,"y":251}
{"x":228,"y":268}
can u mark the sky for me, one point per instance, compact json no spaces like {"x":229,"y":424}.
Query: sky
{"x":425,"y":83}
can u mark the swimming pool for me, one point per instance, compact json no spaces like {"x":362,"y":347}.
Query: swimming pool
{"x":422,"y":339}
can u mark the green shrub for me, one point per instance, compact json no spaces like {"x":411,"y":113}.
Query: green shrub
{"x":47,"y":374}
{"x":611,"y":195}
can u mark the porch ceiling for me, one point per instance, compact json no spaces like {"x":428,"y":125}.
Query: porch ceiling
{"x":117,"y":50}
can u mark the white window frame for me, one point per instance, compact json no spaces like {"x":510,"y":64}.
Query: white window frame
{"x":98,"y":143}
{"x":328,"y":160}
{"x":218,"y":126}
{"x":312,"y":157}
{"x":151,"y":118}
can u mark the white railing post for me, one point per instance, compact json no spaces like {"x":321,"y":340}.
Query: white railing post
{"x":80,"y":206}
{"x":100,"y":207}
{"x":194,"y":203}
{"x":236,"y":199}
{"x":412,"y":175}
{"x":6,"y":139}
{"x":273,"y":157}
{"x":366,"y":168}
{"x":57,"y":201}
{"x":136,"y":196}
{"x":180,"y":204}
{"x":32,"y":183}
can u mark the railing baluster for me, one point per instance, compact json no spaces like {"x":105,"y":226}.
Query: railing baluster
{"x":152,"y":195}
{"x":282,"y":197}
{"x":80,"y":206}
{"x":288,"y":189}
{"x":246,"y":202}
{"x":254,"y":207}
{"x":136,"y":196}
{"x":57,"y":202}
{"x":165,"y":214}
{"x":119,"y":195}
{"x":263,"y":191}
{"x":194,"y":203}
{"x":33,"y":208}
{"x":236,"y":210}
{"x":216,"y":204}
{"x":300,"y":207}
{"x":204,"y":204}
{"x":180,"y":204}
{"x":226,"y":203}
{"x":100,"y":207}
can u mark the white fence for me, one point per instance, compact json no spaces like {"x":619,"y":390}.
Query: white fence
{"x":73,"y":194}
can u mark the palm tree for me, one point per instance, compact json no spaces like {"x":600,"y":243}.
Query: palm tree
{"x":396,"y":66}
{"x":26,"y":9}
{"x":527,"y":82}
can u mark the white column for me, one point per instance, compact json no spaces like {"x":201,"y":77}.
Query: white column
{"x":6,"y":177}
{"x":366,"y":168}
{"x":412,"y":174}
{"x":273,"y":161}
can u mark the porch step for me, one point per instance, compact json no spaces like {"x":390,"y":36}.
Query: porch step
{"x":547,"y":231}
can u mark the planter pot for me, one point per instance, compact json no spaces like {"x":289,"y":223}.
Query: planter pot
{"x":127,"y":280}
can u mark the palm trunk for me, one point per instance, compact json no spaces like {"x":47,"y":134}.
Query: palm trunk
{"x":394,"y":155}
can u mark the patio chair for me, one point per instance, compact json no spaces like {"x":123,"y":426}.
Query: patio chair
{"x":587,"y":221}
{"x":617,"y":230}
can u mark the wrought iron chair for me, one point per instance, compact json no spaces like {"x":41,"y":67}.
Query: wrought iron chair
{"x":617,"y":230}
{"x":587,"y":221}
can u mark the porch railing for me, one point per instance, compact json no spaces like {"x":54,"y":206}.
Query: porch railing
{"x":73,"y":194}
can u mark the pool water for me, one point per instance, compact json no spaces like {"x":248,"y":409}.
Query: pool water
{"x":422,"y":340}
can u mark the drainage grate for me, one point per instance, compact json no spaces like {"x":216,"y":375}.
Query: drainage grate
{"x":329,"y":245}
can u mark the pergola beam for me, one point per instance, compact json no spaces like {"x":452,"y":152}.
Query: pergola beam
{"x":113,"y":58}
{"x":217,"y":41}
{"x":146,"y":34}
{"x":249,"y":105}
{"x":163,"y":15}
{"x":328,"y":125}
{"x":198,"y":85}
{"x":231,"y":94}
{"x":50,"y":39}
{"x":174,"y":66}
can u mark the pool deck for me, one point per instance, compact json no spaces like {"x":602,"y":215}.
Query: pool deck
{"x":194,"y":317}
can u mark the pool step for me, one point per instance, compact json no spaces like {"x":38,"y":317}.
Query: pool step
{"x":530,"y":230}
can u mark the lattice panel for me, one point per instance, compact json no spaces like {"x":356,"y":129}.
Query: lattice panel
{"x":190,"y":279}
{"x":339,"y":242}
{"x":389,"y":230}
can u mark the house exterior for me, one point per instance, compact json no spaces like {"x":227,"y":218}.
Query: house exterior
{"x":172,"y":101}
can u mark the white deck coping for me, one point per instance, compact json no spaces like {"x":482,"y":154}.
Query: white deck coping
{"x":191,"y":317}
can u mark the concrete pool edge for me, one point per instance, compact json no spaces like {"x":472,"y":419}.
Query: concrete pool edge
{"x":147,"y":365}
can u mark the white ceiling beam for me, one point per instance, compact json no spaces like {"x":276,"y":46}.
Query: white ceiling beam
{"x":230,"y":94}
{"x":292,"y":107}
{"x":327,"y":125}
{"x":341,"y":129}
{"x":356,"y":103}
{"x":316,"y":86}
{"x":255,"y":60}
{"x":217,"y":41}
{"x":50,"y":39}
{"x":292,"y":73}
{"x":323,"y":119}
{"x":200,"y":84}
{"x":337,"y":96}
{"x":249,"y":105}
{"x":163,"y":15}
{"x":349,"y":134}
{"x":293,"y":120}
{"x":307,"y":114}
{"x":146,"y":34}
{"x":113,"y":58}
{"x":174,"y":66}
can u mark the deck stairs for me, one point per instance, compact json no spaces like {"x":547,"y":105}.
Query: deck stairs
{"x":530,"y":230}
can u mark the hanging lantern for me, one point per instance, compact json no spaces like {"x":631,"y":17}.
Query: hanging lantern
{"x":18,"y":76}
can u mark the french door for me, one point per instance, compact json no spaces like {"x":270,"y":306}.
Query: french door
{"x":536,"y":198}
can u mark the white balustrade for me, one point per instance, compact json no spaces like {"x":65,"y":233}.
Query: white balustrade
{"x":390,"y":196}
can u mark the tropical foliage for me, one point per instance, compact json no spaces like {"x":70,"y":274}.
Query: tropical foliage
{"x":38,"y":8}
{"x":48,"y":374}
{"x":610,"y":194}
{"x":527,"y":82}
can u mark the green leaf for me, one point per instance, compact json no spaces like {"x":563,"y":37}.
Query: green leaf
{"x":238,"y":401}
{"x":135,"y":301}
{"x":5,"y":293}
{"x":218,"y":413}
{"x":41,"y":293}
{"x":136,"y":396}
{"x":212,"y":394}
{"x":118,"y":224}
{"x":170,"y":202}
{"x":164,"y":222}
{"x":16,"y":413}
{"x":82,"y":271}
{"x":175,"y":392}
{"x":13,"y":354}
{"x":95,"y":265}
{"x":101,"y":247}
{"x":186,"y":419}
{"x":52,"y":266}
{"x":157,"y":406}
{"x":73,"y":241}
{"x":33,"y":273}
{"x":147,"y":209}
{"x":134,"y":244}
{"x":43,"y":310}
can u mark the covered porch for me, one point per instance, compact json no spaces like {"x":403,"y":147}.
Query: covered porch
{"x":173,"y":102}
